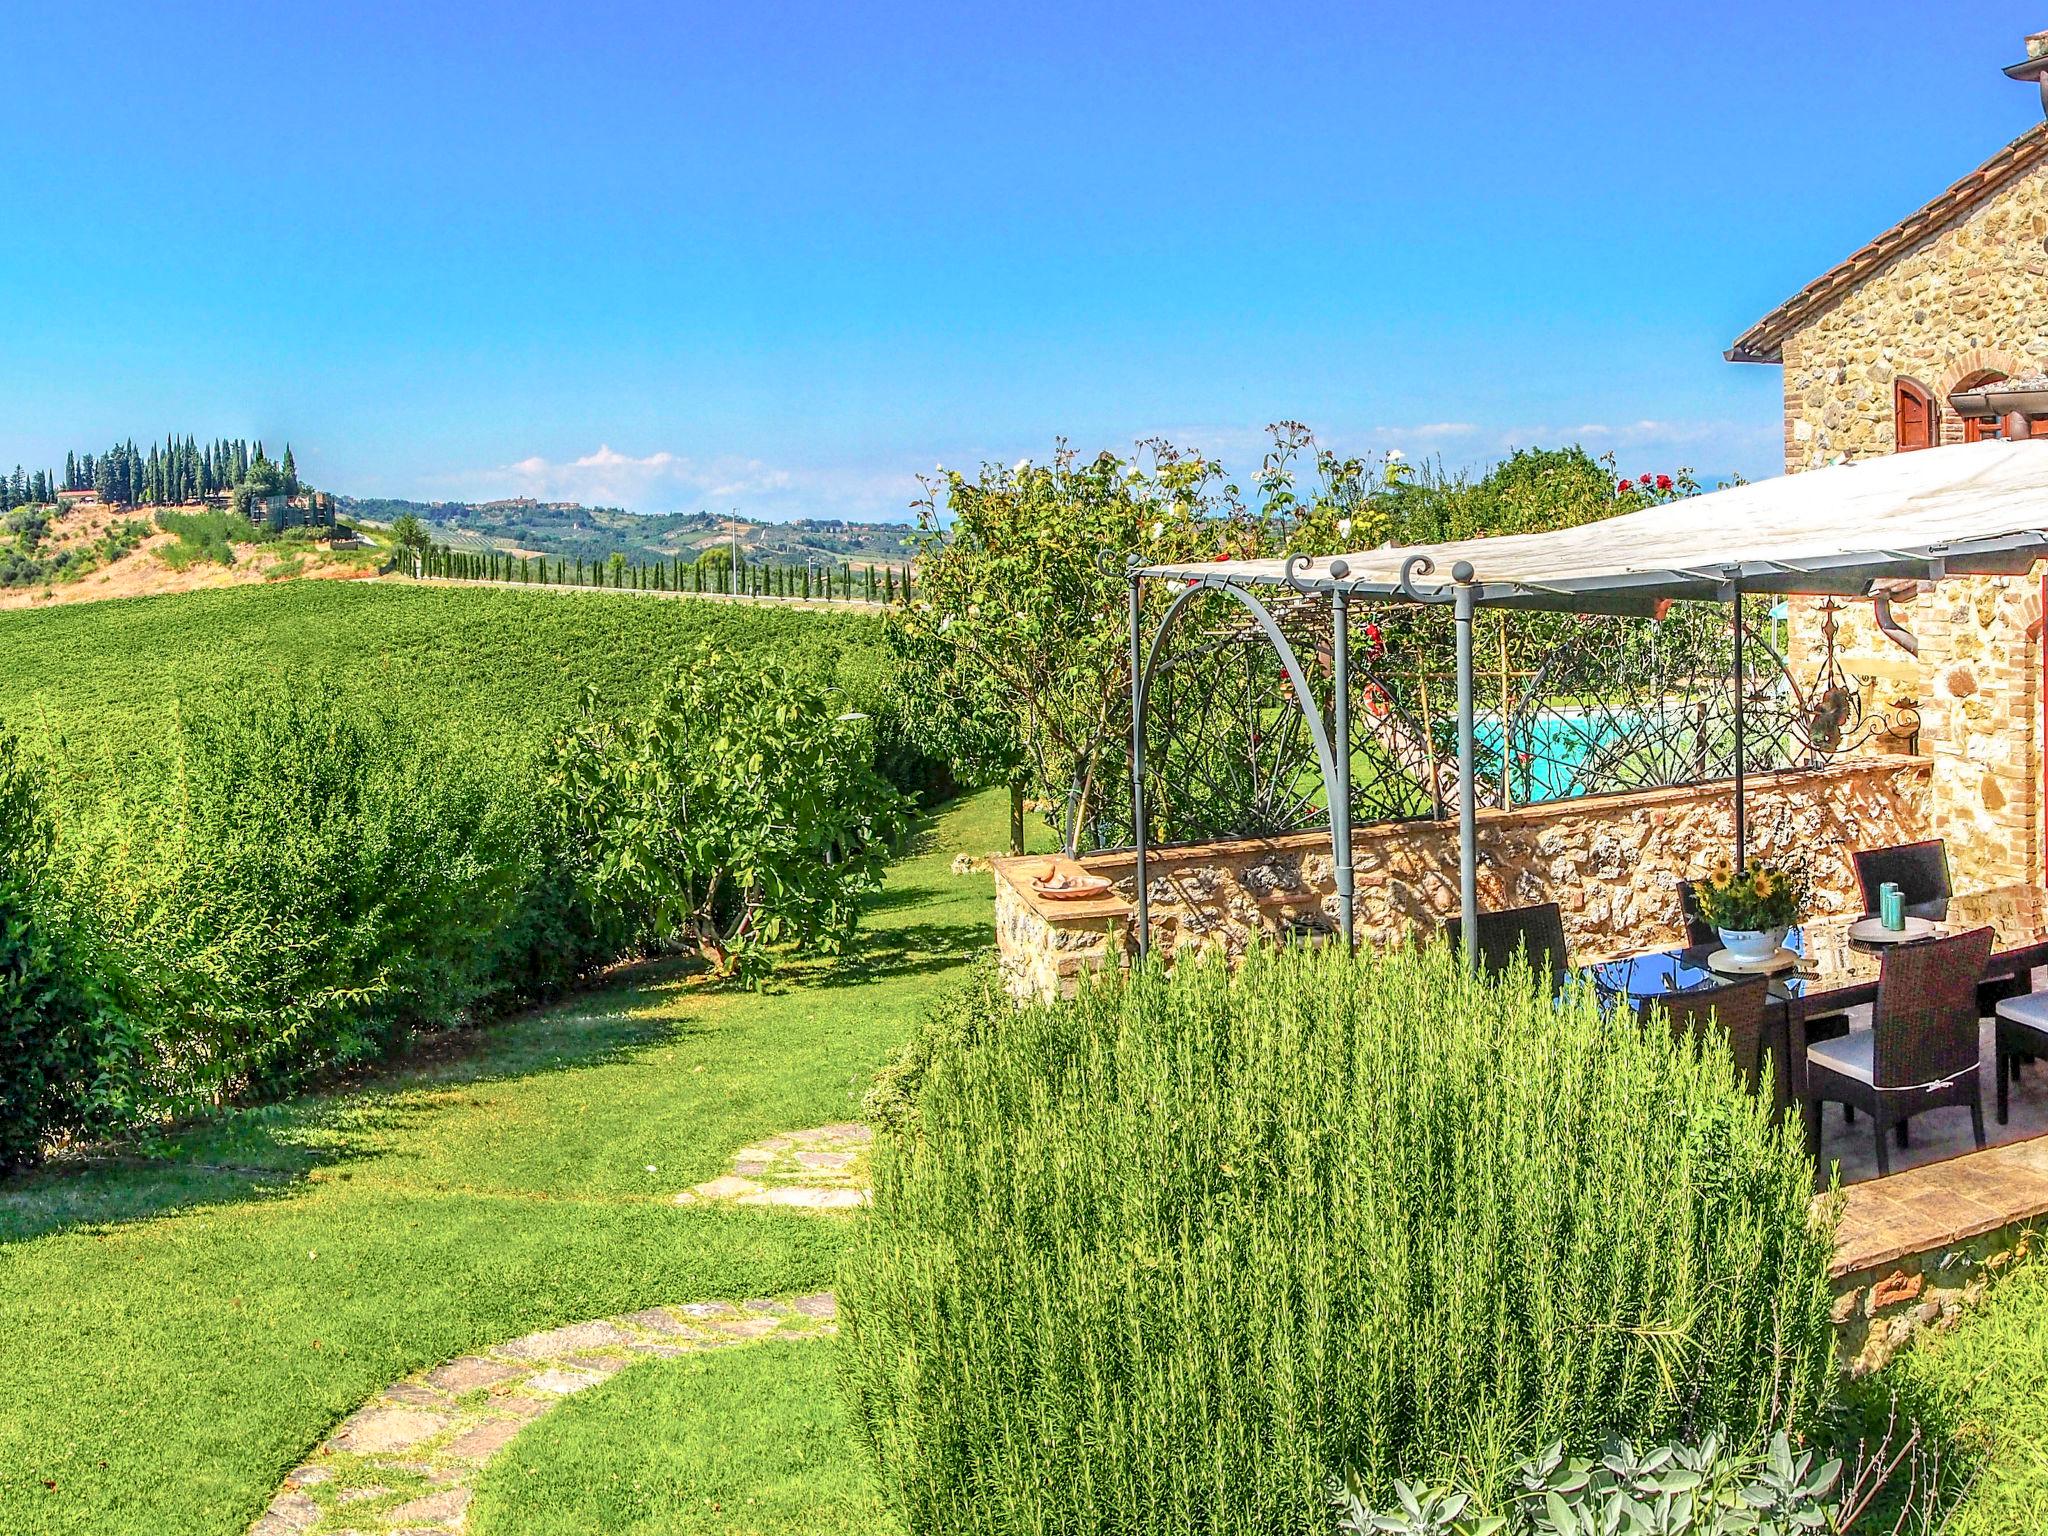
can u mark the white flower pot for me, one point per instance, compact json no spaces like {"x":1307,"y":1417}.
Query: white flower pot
{"x":1752,"y":946}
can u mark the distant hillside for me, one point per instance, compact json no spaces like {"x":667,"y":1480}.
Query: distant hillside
{"x":83,"y":552}
{"x":569,"y":530}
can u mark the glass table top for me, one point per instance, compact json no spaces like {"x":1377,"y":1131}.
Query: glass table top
{"x":1829,"y":960}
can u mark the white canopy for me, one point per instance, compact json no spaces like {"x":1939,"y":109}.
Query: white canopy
{"x":1972,"y":508}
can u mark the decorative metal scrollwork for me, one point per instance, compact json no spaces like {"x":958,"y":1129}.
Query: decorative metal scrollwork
{"x":1836,"y":718}
{"x":1568,"y":706}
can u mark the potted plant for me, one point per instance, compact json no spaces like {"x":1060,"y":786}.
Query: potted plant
{"x":1752,"y":906}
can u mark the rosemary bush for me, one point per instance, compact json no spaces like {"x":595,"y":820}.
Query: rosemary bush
{"x":1170,"y":1256}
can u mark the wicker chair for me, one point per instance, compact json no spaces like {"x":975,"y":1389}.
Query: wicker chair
{"x":1536,"y":931}
{"x":1738,"y":1009}
{"x":1920,"y":871}
{"x":1921,"y":1051}
{"x":1699,"y":933}
{"x":2021,"y":1034}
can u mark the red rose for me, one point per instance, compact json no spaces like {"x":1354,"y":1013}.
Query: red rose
{"x":1623,"y":487}
{"x":1663,"y":482}
{"x":1644,"y":481}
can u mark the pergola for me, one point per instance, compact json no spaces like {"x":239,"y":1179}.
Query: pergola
{"x":1848,"y":531}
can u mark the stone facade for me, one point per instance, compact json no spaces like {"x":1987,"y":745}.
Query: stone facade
{"x":1880,"y":1309}
{"x":1968,"y":299}
{"x":1611,"y":863}
{"x":1964,"y":302}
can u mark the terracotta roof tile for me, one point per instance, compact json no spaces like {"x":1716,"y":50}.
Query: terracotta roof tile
{"x":1762,"y":342}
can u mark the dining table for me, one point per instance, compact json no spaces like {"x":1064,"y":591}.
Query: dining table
{"x":1833,"y":971}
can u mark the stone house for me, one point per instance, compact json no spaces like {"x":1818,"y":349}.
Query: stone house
{"x":1936,"y":333}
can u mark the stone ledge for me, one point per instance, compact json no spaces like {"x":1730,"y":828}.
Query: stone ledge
{"x":1941,"y":1205}
{"x":1018,"y":871}
{"x":1916,"y":1249}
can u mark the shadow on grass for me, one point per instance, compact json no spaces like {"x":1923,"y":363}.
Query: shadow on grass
{"x":261,"y":1151}
{"x":265,"y":1151}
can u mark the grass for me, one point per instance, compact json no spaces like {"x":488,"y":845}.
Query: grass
{"x":183,"y":1321}
{"x":751,"y":1442}
{"x":1982,"y":1392}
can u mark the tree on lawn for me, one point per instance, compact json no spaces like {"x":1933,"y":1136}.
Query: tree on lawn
{"x":1017,"y":649}
{"x":737,"y":815}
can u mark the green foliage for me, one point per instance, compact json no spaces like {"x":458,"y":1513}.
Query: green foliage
{"x":1531,"y":491}
{"x":1018,"y":650}
{"x":59,"y":1045}
{"x":27,"y":557}
{"x":258,"y":1276}
{"x":1669,"y":1490}
{"x":1975,"y":1391}
{"x":296,"y":883}
{"x":495,"y":674}
{"x":410,"y":538}
{"x":1167,"y":1257}
{"x":203,"y":537}
{"x":736,"y":814}
{"x":1017,"y":656}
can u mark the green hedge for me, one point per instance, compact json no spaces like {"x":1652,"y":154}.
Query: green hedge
{"x":290,"y":883}
{"x":61,"y":1049}
{"x":1166,"y":1258}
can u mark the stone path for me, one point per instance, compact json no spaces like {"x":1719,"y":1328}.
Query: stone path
{"x":409,"y":1460}
{"x":824,"y":1169}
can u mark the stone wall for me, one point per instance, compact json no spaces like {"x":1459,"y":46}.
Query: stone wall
{"x":1970,"y":298}
{"x":1967,"y":299}
{"x":1976,"y":688}
{"x":1611,"y":863}
{"x":1880,"y":1309}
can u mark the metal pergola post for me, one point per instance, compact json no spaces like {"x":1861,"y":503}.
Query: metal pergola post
{"x":1340,"y":791}
{"x":1468,"y":785}
{"x":1741,"y":751}
{"x":1138,"y":765}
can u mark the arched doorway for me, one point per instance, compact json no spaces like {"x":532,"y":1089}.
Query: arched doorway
{"x":1977,"y":425}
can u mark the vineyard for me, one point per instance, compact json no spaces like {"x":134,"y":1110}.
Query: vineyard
{"x":499,"y":670}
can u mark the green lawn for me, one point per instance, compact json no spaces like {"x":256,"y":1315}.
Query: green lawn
{"x":1981,"y":1392}
{"x":751,"y":1442}
{"x":179,"y":1326}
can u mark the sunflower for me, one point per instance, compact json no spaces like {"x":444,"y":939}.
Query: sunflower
{"x":1764,"y":884}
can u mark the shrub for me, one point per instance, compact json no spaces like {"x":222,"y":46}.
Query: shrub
{"x":1169,"y":1256}
{"x":59,"y":1047}
{"x":295,"y":883}
{"x":737,"y":813}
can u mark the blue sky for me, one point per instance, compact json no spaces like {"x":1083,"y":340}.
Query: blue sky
{"x":780,"y":257}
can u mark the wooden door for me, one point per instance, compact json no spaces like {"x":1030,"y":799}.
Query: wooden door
{"x":1914,"y":417}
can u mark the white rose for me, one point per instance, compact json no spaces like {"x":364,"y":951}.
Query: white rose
{"x":1343,"y":527}
{"x":1158,"y":532}
{"x":1395,"y":455}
